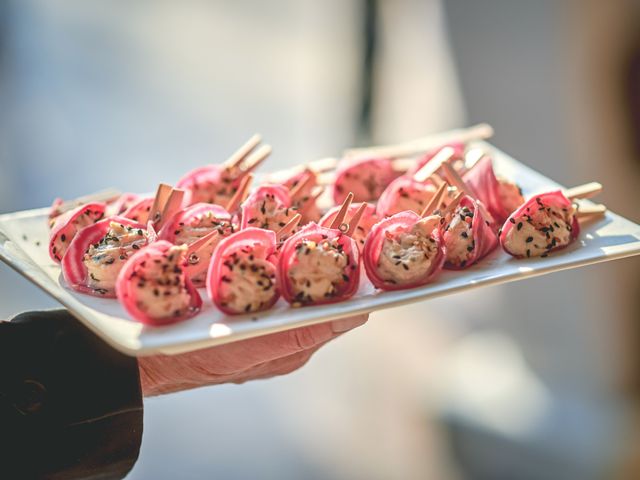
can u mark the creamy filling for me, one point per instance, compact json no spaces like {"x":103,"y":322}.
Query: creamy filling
{"x":458,"y":237}
{"x":510,"y":195}
{"x":160,"y":285}
{"x":407,"y":256}
{"x":105,"y":259}
{"x":536,"y":234}
{"x":319,"y":270}
{"x":270,"y":214}
{"x":250,"y":283}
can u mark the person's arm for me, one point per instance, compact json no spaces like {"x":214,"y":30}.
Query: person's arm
{"x":72,"y":405}
{"x":69,"y":404}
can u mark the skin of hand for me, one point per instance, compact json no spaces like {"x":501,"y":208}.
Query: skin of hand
{"x":256,"y":358}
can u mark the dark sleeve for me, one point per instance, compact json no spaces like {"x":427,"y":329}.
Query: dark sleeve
{"x":70,"y":405}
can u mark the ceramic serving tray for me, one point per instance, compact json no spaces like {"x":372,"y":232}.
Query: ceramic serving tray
{"x":24,"y":240}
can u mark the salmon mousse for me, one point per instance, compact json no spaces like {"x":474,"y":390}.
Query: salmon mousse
{"x":98,"y":253}
{"x":545,"y":223}
{"x":404,"y":251}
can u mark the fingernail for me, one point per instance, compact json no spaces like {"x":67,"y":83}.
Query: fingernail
{"x":346,"y":324}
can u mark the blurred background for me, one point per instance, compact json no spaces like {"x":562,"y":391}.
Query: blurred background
{"x":532,"y":380}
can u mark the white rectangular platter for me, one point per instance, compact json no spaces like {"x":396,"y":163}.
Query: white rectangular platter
{"x":24,"y":239}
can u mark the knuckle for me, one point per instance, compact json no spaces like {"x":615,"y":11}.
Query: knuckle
{"x":304,"y":338}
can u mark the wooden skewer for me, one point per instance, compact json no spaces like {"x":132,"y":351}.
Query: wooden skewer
{"x":241,"y":193}
{"x":256,"y":158}
{"x":477,"y":132}
{"x":160,"y":200}
{"x":202,"y":242}
{"x":240,"y":154}
{"x":194,"y":253}
{"x":339,"y":218}
{"x":453,"y":205}
{"x":355,"y":220}
{"x":587,"y":190}
{"x":473,"y":156}
{"x":173,"y":204}
{"x":437,"y":180}
{"x":432,"y":166}
{"x":591,"y":210}
{"x":300,"y":186}
{"x":323,"y":164}
{"x":435,"y":201}
{"x":288,"y":228}
{"x":456,"y":180}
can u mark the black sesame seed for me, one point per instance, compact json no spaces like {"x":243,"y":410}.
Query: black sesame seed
{"x":529,"y":239}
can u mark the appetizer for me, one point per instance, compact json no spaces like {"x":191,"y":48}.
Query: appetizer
{"x":545,"y":223}
{"x":500,"y":196}
{"x":468,"y":235}
{"x":320,"y":265}
{"x":366,"y":178}
{"x":413,"y":193}
{"x":218,"y":183}
{"x":242,"y":274}
{"x":154,"y":288}
{"x":548,"y":222}
{"x":405,"y":250}
{"x":272,"y":206}
{"x":99,"y":251}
